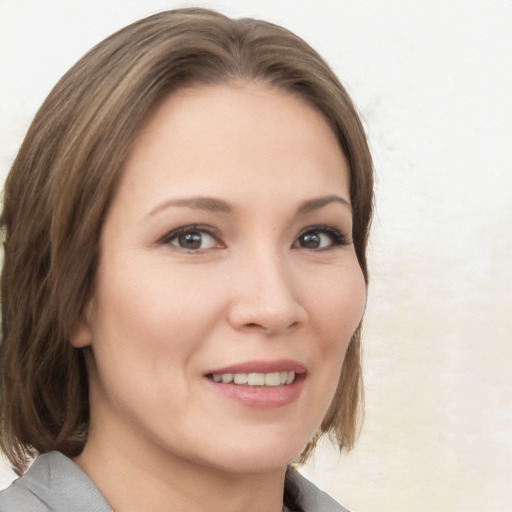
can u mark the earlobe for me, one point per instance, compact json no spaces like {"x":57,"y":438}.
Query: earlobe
{"x":82,"y":335}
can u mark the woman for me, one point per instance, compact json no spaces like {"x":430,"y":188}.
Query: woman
{"x":185,"y":273}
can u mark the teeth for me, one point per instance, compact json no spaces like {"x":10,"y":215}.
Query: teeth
{"x":273,"y":379}
{"x":256,"y":379}
{"x":240,"y":378}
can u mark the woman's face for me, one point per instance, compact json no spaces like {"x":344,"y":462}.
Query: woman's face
{"x":225,"y":257}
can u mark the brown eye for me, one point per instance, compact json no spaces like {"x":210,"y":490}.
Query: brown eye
{"x":192,"y":238}
{"x":320,"y":238}
{"x":310,"y":240}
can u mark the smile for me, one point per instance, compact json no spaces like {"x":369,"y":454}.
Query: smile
{"x":272,"y":379}
{"x":259,"y":384}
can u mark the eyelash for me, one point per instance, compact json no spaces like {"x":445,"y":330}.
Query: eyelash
{"x":338,"y":239}
{"x":191,"y":228}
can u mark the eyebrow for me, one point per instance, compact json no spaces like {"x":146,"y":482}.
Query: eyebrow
{"x":209,"y":204}
{"x":212,"y":204}
{"x":312,"y":205}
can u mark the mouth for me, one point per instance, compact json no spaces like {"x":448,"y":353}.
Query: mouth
{"x":260,"y":384}
{"x":273,"y":379}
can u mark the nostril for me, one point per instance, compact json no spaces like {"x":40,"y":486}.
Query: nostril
{"x":253,"y":326}
{"x":270,"y":331}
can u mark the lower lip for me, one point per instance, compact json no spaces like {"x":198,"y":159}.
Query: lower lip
{"x":260,"y":397}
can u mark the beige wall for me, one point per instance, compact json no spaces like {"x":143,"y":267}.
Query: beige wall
{"x":433,"y":81}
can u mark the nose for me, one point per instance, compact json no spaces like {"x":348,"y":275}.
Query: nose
{"x":266,"y":296}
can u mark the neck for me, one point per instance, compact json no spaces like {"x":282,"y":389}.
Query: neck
{"x":140,"y":478}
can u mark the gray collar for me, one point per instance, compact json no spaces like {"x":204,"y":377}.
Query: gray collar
{"x":54,"y":483}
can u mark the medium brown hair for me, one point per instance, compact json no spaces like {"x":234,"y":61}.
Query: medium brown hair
{"x":61,"y":183}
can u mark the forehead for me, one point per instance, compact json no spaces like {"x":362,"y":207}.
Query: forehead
{"x":245,"y":135}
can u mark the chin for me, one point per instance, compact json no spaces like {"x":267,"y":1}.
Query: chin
{"x":254,"y":455}
{"x":261,"y":462}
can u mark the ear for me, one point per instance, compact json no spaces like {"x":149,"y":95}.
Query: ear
{"x":82,"y":336}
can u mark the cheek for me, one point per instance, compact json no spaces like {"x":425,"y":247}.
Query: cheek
{"x":142,"y":339}
{"x":339,"y":307}
{"x":150,"y":321}
{"x":336,"y":310}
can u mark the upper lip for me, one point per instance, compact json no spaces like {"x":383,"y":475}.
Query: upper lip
{"x":260,"y":366}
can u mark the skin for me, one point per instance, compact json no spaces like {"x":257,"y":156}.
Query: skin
{"x":163,"y":315}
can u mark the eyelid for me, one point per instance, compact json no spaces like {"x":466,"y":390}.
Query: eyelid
{"x":171,"y":235}
{"x":339,"y":238}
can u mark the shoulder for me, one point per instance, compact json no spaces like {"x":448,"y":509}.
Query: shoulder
{"x":303,"y":496}
{"x":53,"y":483}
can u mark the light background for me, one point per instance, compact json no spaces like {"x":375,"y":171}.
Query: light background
{"x":433,"y":81}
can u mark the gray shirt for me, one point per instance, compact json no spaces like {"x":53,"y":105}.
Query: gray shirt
{"x":54,"y":483}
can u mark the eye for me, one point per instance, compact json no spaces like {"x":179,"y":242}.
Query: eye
{"x":193,"y":238}
{"x":320,"y":238}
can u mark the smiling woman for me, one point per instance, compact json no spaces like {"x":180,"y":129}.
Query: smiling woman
{"x":198,"y":191}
